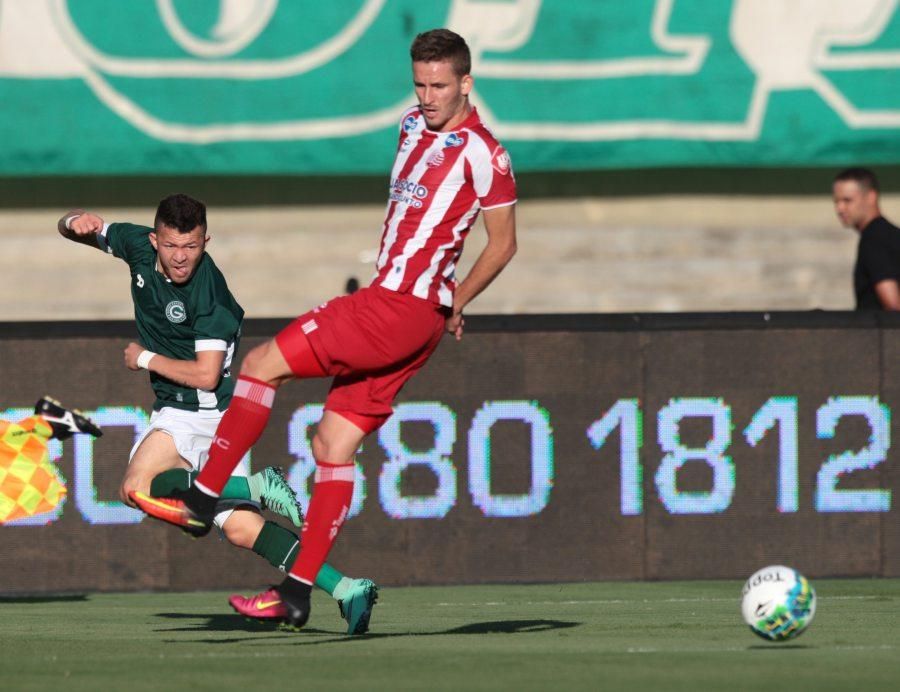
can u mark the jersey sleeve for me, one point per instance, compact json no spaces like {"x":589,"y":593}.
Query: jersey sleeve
{"x":215,"y":324}
{"x":492,"y":174}
{"x":215,"y":329}
{"x":877,"y":255}
{"x":125,"y":241}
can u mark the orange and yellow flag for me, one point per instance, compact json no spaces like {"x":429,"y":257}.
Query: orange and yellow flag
{"x":29,"y":483}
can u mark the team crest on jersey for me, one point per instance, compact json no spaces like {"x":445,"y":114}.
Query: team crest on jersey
{"x":436,"y":159}
{"x":175,"y":312}
{"x":453,"y":140}
{"x":409,"y":123}
{"x":500,"y":160}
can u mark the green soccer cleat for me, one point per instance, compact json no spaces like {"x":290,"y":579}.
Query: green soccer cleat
{"x":356,"y":605}
{"x":276,"y":494}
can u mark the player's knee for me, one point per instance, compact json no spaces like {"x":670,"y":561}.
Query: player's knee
{"x":264,"y":363}
{"x":240,"y":533}
{"x":320,"y":447}
{"x":335,"y":452}
{"x":253,"y":361}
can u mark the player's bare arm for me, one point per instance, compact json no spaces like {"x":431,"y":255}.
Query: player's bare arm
{"x":81,"y":227}
{"x":500,"y":224}
{"x":203,"y":373}
{"x":888,"y":292}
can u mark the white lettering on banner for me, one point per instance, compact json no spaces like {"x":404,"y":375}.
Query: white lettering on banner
{"x":787,"y":46}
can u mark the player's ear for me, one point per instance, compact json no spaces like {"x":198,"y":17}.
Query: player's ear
{"x":467,"y":83}
{"x":152,"y":237}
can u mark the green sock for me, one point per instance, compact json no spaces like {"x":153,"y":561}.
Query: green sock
{"x":328,"y":579}
{"x":164,"y":483}
{"x":279,"y":546}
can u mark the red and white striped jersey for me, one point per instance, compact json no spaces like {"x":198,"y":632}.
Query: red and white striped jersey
{"x":439,"y":182}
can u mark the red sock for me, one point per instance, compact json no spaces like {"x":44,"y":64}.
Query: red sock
{"x":238,"y":431}
{"x":327,"y":511}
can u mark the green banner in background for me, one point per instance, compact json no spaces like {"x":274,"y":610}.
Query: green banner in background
{"x":294,"y":87}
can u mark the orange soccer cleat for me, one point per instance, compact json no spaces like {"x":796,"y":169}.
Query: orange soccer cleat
{"x":173,"y":510}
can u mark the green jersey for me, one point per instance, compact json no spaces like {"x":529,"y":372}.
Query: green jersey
{"x":178,"y":320}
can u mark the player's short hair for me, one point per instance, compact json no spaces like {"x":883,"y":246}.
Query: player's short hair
{"x":861,"y":176}
{"x":438,"y":45}
{"x":181,"y":212}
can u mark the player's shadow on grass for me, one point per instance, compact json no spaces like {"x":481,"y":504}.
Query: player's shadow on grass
{"x":236,"y":623}
{"x":60,"y":598}
{"x":508,"y":627}
{"x":226,"y":622}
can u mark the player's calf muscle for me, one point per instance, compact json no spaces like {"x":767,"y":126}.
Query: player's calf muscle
{"x":156,"y":454}
{"x":242,"y":528}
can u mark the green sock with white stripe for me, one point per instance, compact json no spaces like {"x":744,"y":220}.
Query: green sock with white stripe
{"x":279,"y":546}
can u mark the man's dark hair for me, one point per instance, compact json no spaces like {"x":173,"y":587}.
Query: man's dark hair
{"x":861,"y":176}
{"x":180,"y":212}
{"x":438,"y":45}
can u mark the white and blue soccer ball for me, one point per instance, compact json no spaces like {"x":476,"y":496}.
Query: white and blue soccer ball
{"x":778,"y":603}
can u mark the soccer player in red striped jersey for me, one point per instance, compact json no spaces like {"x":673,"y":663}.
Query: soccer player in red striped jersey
{"x":448,"y":168}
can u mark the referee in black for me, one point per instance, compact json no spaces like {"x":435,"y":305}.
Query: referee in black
{"x":876,"y":276}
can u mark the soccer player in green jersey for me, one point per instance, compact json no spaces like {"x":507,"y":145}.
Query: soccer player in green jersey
{"x":189,"y":326}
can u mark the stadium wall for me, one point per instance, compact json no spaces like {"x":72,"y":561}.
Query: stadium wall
{"x":540,"y":448}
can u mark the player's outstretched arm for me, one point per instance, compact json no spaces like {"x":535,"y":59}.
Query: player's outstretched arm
{"x":81,"y":227}
{"x":500,"y":224}
{"x":202,"y":373}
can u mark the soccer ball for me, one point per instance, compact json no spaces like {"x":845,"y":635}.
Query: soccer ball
{"x":778,"y":603}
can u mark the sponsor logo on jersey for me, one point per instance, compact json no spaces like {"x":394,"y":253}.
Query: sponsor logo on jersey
{"x":500,"y":160}
{"x":436,"y":159}
{"x":453,"y":140}
{"x":175,"y":312}
{"x":408,"y":192}
{"x":407,"y":141}
{"x":409,"y":123}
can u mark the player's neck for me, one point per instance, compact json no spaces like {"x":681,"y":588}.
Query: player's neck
{"x":867,"y":221}
{"x":458,"y":119}
{"x":160,"y":270}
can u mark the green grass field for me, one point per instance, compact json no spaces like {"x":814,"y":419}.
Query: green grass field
{"x":635,"y":636}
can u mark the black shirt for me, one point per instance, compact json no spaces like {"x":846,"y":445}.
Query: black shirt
{"x":877,"y":259}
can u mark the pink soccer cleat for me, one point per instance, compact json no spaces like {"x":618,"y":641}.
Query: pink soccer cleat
{"x":266,"y":606}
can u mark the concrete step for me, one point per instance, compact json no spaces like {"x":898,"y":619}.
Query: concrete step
{"x":635,"y":255}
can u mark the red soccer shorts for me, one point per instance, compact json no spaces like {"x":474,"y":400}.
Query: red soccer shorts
{"x":372,"y":342}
